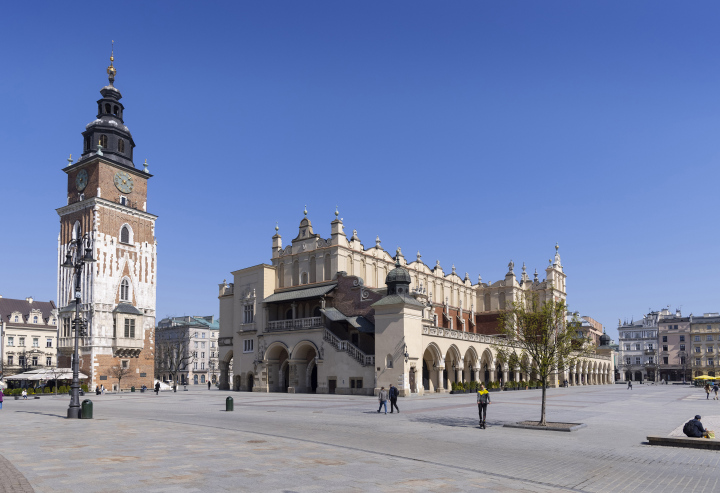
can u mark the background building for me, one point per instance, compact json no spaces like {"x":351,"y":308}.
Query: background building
{"x":674,"y":345}
{"x":107,"y":200}
{"x":705,"y":334}
{"x":28,"y":331}
{"x":639,"y":348}
{"x":196,"y":341}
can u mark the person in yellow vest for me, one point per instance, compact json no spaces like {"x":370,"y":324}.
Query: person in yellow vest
{"x":483,"y":399}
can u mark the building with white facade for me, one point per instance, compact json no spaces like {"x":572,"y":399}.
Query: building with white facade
{"x":328,"y":315}
{"x":28,"y":335}
{"x":197,"y":337}
{"x":638,"y":343}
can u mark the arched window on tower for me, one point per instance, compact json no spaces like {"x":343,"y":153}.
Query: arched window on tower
{"x":121,"y":145}
{"x":103,"y":141}
{"x":107,"y":107}
{"x":115,"y":110}
{"x":125,"y":235}
{"x":124,"y":290}
{"x":87,"y":142}
{"x":76,"y":230}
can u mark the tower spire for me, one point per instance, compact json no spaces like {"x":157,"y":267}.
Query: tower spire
{"x":111,"y":69}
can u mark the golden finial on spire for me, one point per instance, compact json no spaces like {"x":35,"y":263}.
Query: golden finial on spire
{"x":111,"y":69}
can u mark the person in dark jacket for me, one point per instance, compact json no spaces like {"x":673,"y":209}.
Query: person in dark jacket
{"x":208,"y":384}
{"x":157,"y":388}
{"x":393,"y":398}
{"x":697,"y":430}
{"x":483,"y":399}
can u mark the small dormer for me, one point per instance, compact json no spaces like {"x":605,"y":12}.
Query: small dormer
{"x":17,"y":318}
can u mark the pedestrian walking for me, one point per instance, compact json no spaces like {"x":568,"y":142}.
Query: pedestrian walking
{"x":715,"y":389}
{"x":208,"y":384}
{"x":383,"y":397}
{"x":157,"y":388}
{"x":483,"y":399}
{"x":707,"y":391}
{"x":102,"y":389}
{"x":393,"y":398}
{"x":1,"y":398}
{"x":629,"y":385}
{"x":24,"y":394}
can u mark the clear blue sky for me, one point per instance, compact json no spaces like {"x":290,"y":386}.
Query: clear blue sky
{"x":474,"y":131}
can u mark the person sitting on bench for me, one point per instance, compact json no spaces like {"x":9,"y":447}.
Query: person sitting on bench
{"x":694,"y":428}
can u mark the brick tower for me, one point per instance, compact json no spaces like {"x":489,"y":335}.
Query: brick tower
{"x":107,"y":198}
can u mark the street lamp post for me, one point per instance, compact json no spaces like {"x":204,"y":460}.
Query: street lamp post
{"x":79,"y":252}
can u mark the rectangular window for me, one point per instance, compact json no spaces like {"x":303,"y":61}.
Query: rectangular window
{"x":697,"y":362}
{"x":708,"y":337}
{"x":202,"y":345}
{"x":196,"y":344}
{"x":710,"y":362}
{"x":21,"y":360}
{"x":248,"y":346}
{"x":697,"y":338}
{"x":664,"y":347}
{"x":710,"y":349}
{"x":48,"y":342}
{"x":682,"y":347}
{"x":627,"y":361}
{"x":48,"y":361}
{"x":665,"y":360}
{"x":709,"y":327}
{"x":202,"y":355}
{"x":202,"y":336}
{"x":627,"y":347}
{"x":650,"y":347}
{"x":212,"y":344}
{"x":130,"y":328}
{"x":11,"y":341}
{"x":202,"y":365}
{"x":195,"y":336}
{"x":35,"y":361}
{"x":36,"y":342}
{"x":637,"y":347}
{"x":682,"y":360}
{"x":664,"y":338}
{"x":10,"y":360}
{"x":249,"y":314}
{"x":682,"y":338}
{"x":650,"y":360}
{"x":697,"y":349}
{"x":125,"y":363}
{"x":21,"y":341}
{"x":195,"y":366}
{"x":637,"y":360}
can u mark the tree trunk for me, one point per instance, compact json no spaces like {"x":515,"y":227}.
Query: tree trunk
{"x":542,"y":407}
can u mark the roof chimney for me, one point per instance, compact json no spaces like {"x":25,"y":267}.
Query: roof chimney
{"x":29,"y":299}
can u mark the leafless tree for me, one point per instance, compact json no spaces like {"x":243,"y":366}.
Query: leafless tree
{"x":172,"y":353}
{"x":119,"y":372}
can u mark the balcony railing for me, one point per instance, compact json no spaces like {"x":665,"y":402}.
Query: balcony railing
{"x":296,"y":324}
{"x":128,"y":343}
{"x":650,"y":352}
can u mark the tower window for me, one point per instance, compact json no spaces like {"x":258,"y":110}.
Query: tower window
{"x":121,"y":145}
{"x":107,"y":108}
{"x":115,"y":110}
{"x":124,"y":290}
{"x":129,"y":328}
{"x":103,"y":141}
{"x":125,"y":235}
{"x":87,"y":142}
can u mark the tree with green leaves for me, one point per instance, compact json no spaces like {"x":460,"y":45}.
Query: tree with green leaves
{"x":538,"y":338}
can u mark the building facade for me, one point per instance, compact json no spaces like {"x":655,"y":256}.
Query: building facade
{"x":674,"y":343}
{"x":28,"y":335}
{"x":705,"y":334}
{"x":107,"y":201}
{"x":196,"y":338}
{"x":639,"y":348}
{"x":328,"y":315}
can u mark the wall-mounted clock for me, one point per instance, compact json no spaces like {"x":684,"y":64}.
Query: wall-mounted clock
{"x":81,"y":180}
{"x":123,"y":182}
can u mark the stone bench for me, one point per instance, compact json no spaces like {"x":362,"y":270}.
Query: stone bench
{"x":687,"y":442}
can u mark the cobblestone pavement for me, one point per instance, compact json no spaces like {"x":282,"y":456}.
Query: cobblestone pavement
{"x":293,"y":442}
{"x":12,"y":480}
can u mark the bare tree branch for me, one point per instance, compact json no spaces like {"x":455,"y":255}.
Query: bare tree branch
{"x":172,"y":352}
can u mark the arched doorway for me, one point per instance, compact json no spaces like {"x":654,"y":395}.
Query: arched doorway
{"x":430,"y":373}
{"x":304,"y":360}
{"x":276,"y":357}
{"x":638,"y":376}
{"x":226,"y":371}
{"x":628,"y":375}
{"x":486,"y":374}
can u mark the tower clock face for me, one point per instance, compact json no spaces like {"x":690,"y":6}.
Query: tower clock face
{"x":123,"y":182}
{"x":81,"y":180}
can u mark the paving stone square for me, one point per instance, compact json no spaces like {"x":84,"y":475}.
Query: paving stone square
{"x":186,"y":442}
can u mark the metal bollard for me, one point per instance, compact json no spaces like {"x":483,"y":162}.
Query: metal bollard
{"x":86,"y":410}
{"x":229,"y":405}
